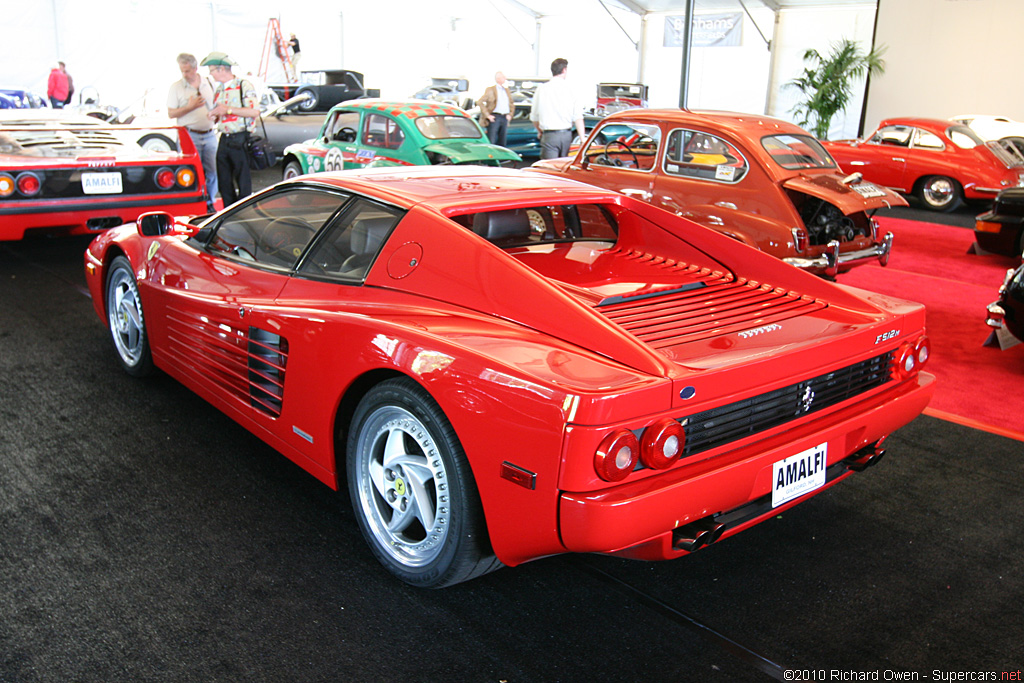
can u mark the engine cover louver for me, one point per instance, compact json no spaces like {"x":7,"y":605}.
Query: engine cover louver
{"x":712,"y":307}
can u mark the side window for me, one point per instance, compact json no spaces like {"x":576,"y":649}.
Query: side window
{"x":927,"y":139}
{"x":695,"y":154}
{"x":625,"y":145}
{"x":274,"y":230}
{"x":351,"y":245}
{"x":381,"y":131}
{"x":892,"y":135}
{"x":343,"y":127}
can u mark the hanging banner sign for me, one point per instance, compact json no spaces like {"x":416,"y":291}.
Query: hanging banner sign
{"x":709,"y":30}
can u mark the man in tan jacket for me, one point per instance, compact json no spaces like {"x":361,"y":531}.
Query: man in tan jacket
{"x":496,"y":109}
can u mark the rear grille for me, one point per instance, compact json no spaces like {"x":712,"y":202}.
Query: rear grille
{"x":724,"y":424}
{"x":717,"y":308}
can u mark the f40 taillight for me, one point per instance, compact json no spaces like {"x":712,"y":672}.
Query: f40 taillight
{"x":164,"y":178}
{"x":185,"y":176}
{"x":28,"y":184}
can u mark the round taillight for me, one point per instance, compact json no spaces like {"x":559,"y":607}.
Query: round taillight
{"x":6,"y":185}
{"x":923,"y":351}
{"x":662,"y":444}
{"x":906,"y":361}
{"x":185,"y":176}
{"x":29,"y":184}
{"x":164,"y":178}
{"x":617,"y":455}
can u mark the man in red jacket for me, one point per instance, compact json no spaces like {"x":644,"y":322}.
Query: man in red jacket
{"x":57,"y":86}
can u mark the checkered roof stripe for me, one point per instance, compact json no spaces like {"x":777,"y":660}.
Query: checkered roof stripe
{"x":410,"y":110}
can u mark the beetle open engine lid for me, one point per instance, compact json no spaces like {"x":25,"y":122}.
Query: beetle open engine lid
{"x":849,"y":194}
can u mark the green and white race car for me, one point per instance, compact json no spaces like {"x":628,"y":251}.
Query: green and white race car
{"x":365,"y":133}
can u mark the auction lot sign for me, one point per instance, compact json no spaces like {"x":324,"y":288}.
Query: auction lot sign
{"x":709,"y":30}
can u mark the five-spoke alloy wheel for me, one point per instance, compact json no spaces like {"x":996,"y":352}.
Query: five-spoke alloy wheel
{"x":125,"y":319}
{"x":412,"y":490}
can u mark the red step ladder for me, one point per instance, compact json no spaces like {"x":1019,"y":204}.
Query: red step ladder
{"x":274,"y":43}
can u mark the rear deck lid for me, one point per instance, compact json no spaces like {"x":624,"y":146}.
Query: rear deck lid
{"x":849,"y":197}
{"x":464,"y":152}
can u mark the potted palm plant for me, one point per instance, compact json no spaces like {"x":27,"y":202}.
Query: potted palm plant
{"x":827,"y":82}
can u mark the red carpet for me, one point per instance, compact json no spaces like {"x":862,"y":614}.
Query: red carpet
{"x":976,"y":385}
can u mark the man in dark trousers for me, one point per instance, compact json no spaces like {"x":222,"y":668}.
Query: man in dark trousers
{"x":293,"y":43}
{"x":496,"y":109}
{"x":235,"y":110}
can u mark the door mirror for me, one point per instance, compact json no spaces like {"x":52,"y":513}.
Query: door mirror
{"x":154,"y":223}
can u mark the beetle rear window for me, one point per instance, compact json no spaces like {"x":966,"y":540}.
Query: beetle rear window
{"x":445,"y":127}
{"x":794,"y":152}
{"x":696,"y":154}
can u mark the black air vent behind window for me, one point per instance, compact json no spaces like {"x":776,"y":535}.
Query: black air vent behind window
{"x":268,"y":356}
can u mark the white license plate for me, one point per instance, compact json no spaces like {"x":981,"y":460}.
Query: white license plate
{"x":799,"y":474}
{"x":101,"y":183}
{"x":868,"y":190}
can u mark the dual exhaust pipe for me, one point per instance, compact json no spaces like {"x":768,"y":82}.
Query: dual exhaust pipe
{"x":696,"y":535}
{"x":866,"y":457}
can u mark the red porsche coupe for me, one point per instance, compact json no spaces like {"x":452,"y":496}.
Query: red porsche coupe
{"x":940,"y":162}
{"x":502,"y":366}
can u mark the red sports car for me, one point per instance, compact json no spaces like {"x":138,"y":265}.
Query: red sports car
{"x":65,"y":178}
{"x":938,"y":161}
{"x":759,"y":180}
{"x":502,"y":366}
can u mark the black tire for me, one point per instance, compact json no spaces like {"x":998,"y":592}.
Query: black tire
{"x":154,"y":142}
{"x":939,"y":193}
{"x":420,"y":516}
{"x":292,"y":168}
{"x":125,"y":319}
{"x":313,"y":99}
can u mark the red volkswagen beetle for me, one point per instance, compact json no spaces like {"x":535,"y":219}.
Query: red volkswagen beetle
{"x":765,"y":182}
{"x":501,"y":366}
{"x":938,"y":161}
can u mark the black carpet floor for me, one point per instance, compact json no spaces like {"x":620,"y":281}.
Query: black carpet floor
{"x":146,"y":537}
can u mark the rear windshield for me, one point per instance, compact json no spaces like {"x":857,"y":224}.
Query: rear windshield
{"x":963,"y":137}
{"x":445,"y":127}
{"x":797,"y":151}
{"x":539,"y":224}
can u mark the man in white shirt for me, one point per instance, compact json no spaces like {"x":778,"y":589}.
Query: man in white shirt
{"x":189,"y":101}
{"x":555,"y":111}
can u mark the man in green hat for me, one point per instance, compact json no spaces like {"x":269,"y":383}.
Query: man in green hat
{"x":235,"y":110}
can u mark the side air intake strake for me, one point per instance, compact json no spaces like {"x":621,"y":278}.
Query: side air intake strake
{"x":268,"y":355}
{"x":247,"y":363}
